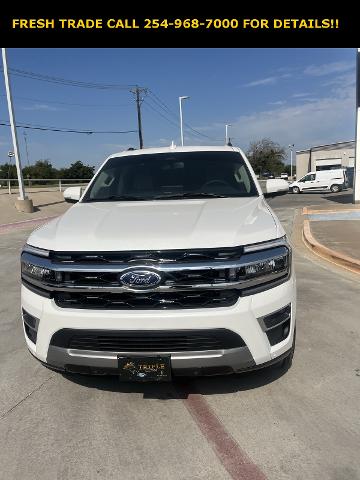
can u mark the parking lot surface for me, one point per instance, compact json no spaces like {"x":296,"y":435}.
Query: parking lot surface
{"x":300,"y":424}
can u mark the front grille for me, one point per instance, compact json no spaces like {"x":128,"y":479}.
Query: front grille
{"x":147,"y":341}
{"x":158,"y":256}
{"x":180,"y":277}
{"x":194,"y":278}
{"x":151,"y":300}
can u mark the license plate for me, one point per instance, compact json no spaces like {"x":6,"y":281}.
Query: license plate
{"x":145,"y":369}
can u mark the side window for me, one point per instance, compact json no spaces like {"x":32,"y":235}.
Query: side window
{"x":308,"y":178}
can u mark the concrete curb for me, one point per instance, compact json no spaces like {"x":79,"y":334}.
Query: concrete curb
{"x":340,"y":259}
{"x":310,"y":211}
{"x":8,"y":227}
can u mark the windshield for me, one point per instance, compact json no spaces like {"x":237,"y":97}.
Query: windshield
{"x":163,"y":176}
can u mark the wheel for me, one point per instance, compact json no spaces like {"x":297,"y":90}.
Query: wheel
{"x":335,"y":188}
{"x":295,"y":189}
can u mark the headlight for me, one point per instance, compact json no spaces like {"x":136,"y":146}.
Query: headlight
{"x":266,"y":265}
{"x":39,"y":273}
{"x":273,"y":265}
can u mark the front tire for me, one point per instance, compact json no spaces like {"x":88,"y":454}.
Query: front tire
{"x":295,"y":190}
{"x":335,"y":188}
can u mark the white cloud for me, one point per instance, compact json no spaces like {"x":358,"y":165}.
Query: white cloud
{"x":268,"y":80}
{"x":328,"y":68}
{"x":278,"y":103}
{"x":317,"y":120}
{"x":300,"y":95}
{"x":41,"y":107}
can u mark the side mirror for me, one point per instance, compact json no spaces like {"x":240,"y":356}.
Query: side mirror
{"x":274,"y":186}
{"x":72,"y":194}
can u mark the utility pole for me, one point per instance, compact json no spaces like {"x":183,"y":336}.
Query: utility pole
{"x":356,"y":194}
{"x":23,"y":203}
{"x":137,"y":92}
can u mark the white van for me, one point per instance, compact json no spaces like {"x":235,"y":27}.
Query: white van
{"x":323,"y":180}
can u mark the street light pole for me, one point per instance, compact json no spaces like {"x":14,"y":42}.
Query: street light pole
{"x":356,"y":193}
{"x":291,"y":146}
{"x":226,"y":133}
{"x":181,"y":119}
{"x":23,"y":204}
{"x":10,"y":155}
{"x":13,"y":127}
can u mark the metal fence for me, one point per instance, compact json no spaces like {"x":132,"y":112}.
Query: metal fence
{"x":34,"y":183}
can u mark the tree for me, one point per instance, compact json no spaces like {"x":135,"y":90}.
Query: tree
{"x":8,"y":170}
{"x":288,"y":169}
{"x":77,"y":170}
{"x":41,"y":169}
{"x":266,"y":156}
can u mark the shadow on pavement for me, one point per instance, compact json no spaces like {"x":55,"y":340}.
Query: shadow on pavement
{"x":51,"y":203}
{"x":344,"y":198}
{"x":182,"y":387}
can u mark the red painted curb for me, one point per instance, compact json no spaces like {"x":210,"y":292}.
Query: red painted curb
{"x":8,"y":227}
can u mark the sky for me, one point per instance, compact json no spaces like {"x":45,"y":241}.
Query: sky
{"x":304,"y":97}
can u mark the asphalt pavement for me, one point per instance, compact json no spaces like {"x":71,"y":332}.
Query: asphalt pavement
{"x":300,"y":424}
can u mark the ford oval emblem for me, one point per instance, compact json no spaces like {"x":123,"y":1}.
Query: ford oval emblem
{"x":140,"y":279}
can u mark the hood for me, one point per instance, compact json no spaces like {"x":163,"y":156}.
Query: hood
{"x":159,"y":225}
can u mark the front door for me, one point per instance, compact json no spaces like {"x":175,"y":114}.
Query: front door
{"x":309,"y":183}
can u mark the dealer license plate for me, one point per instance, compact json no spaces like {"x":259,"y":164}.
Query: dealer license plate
{"x":145,"y":369}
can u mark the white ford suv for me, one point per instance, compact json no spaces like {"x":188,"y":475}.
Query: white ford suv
{"x":171,"y":263}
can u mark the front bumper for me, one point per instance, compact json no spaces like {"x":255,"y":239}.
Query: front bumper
{"x":241,"y":318}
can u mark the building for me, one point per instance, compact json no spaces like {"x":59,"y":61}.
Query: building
{"x":326,"y":157}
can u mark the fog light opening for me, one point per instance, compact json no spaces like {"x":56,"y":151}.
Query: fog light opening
{"x":31,"y":325}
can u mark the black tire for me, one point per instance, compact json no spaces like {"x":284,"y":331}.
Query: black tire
{"x":295,"y":190}
{"x":335,"y":188}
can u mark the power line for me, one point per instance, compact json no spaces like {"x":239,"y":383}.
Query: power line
{"x":65,"y":130}
{"x":161,"y":114}
{"x":102,"y":86}
{"x":165,"y":107}
{"x":71,"y":104}
{"x":68,"y":82}
{"x":166,"y":118}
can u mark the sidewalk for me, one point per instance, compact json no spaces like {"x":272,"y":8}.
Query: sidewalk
{"x":334,"y":234}
{"x":48,"y":203}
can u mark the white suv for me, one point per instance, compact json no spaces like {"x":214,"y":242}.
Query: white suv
{"x":170,"y":263}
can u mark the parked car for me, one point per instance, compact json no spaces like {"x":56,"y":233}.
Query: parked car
{"x":267,"y":175}
{"x":323,"y":180}
{"x":170,"y":263}
{"x":284,"y":176}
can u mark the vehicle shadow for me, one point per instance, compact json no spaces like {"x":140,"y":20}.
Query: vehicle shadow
{"x":343,"y":198}
{"x":182,"y":387}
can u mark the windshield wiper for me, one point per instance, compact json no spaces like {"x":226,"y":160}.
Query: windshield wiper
{"x":189,"y":195}
{"x":112,"y":198}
